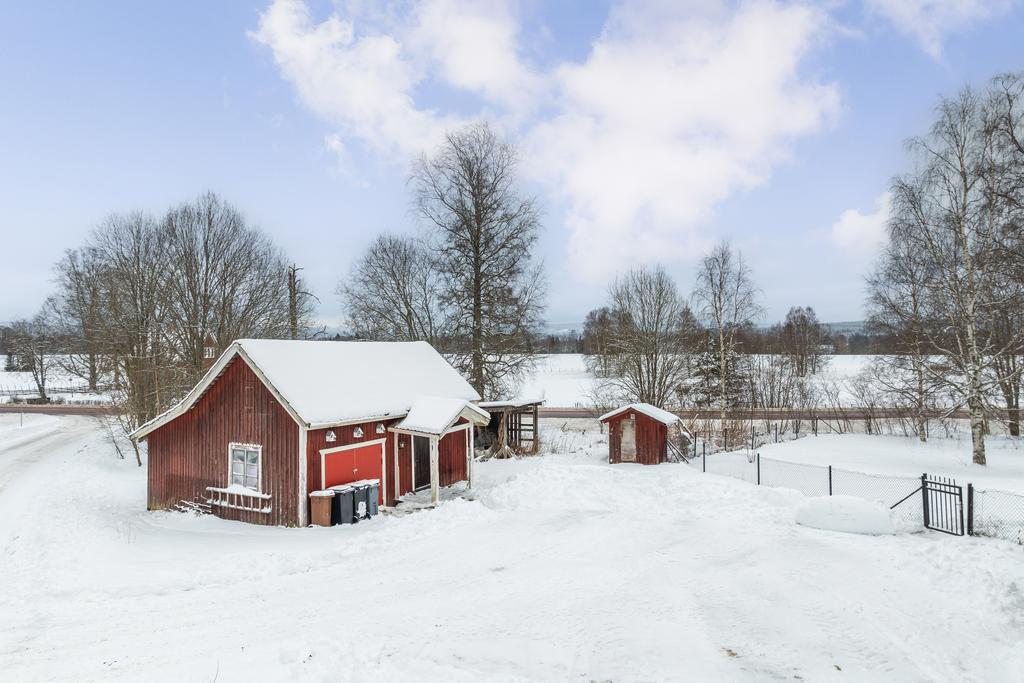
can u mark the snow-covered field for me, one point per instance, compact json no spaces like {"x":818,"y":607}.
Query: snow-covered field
{"x":563,"y":381}
{"x":63,"y":386}
{"x":561,"y":568}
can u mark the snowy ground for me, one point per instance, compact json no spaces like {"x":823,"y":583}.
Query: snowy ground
{"x":562,"y":568}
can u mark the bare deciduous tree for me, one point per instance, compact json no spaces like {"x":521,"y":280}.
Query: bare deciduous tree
{"x":393,"y":293}
{"x":726,"y":297}
{"x":801,"y":340}
{"x":227,"y":280}
{"x":77,"y":311}
{"x":650,"y":337}
{"x":32,"y":341}
{"x":144,"y":296}
{"x":483,"y":233}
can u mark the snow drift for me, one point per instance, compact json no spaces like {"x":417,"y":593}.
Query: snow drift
{"x":845,"y":513}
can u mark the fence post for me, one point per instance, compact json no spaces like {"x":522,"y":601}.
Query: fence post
{"x":924,"y":499}
{"x":751,"y":437}
{"x":830,"y":480}
{"x":776,"y":432}
{"x":725,"y":438}
{"x":704,"y":457}
{"x":695,"y":433}
{"x":815,"y":424}
{"x":970,"y":509}
{"x":758,"y":469}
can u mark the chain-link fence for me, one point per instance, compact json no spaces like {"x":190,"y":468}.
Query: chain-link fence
{"x":999,"y":514}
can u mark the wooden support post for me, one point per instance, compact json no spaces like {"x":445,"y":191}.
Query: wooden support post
{"x":472,"y":452}
{"x":398,"y":474}
{"x":435,"y":471}
{"x":536,"y":429}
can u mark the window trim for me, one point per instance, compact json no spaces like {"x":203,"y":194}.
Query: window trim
{"x":233,"y":446}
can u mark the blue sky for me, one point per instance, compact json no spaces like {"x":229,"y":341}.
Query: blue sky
{"x":646,"y":131}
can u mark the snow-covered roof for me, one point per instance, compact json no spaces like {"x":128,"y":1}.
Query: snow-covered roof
{"x":647,"y":409}
{"x":325,"y":383}
{"x":518,"y":402}
{"x":435,"y":414}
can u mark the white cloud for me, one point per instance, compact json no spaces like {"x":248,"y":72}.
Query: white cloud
{"x":862,"y":233}
{"x":930,"y":21}
{"x":676,"y":107}
{"x":670,"y":115}
{"x":362,"y":81}
{"x":475,"y":46}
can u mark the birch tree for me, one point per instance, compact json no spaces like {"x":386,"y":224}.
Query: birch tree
{"x":897,"y":307}
{"x":949,"y":220}
{"x":726,"y":297}
{"x":482,"y":235}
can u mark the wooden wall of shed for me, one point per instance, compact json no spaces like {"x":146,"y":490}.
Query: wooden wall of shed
{"x":404,"y":464}
{"x":651,"y":439}
{"x":316,"y":440}
{"x":191,"y":452}
{"x":452,"y":458}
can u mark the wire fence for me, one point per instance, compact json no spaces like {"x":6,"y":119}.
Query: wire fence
{"x":998,"y":514}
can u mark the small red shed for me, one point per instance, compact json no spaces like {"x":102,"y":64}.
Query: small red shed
{"x":639,"y":433}
{"x":274,"y":420}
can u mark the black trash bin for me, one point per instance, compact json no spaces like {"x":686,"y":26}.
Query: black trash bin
{"x":342,"y":510}
{"x":360,"y":503}
{"x":372,"y":497}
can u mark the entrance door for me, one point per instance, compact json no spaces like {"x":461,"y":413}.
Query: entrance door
{"x":627,"y":444}
{"x":354,"y":464}
{"x":421,"y":455}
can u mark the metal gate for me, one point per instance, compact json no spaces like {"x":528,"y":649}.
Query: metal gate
{"x":943,"y":504}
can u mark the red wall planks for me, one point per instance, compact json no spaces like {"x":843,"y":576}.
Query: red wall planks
{"x":452,"y":458}
{"x":404,"y":464}
{"x":651,"y":439}
{"x":191,"y":452}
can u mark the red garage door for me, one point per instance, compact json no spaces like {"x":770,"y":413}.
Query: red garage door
{"x":353,"y":464}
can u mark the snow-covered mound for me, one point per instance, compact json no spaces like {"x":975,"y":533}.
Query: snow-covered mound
{"x":845,"y":513}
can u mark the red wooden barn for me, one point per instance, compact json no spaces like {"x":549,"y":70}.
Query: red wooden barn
{"x":272,"y":421}
{"x":639,"y":433}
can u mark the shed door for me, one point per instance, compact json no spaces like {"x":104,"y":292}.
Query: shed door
{"x":627,"y":443}
{"x":365,"y":462}
{"x":421,"y":466}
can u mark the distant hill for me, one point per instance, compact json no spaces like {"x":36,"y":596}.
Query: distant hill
{"x":848,"y":327}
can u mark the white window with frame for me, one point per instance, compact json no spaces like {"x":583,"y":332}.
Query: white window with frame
{"x":246,"y":465}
